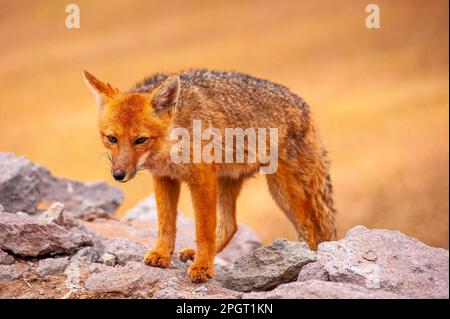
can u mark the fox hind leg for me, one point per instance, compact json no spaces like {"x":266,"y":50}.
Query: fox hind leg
{"x":302,"y":197}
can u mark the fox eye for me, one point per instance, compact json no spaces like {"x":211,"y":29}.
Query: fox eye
{"x":141,"y":140}
{"x":112,"y":139}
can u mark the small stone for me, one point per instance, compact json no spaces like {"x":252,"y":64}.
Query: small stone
{"x":54,"y":214}
{"x":97,"y":267}
{"x":87,"y":255}
{"x":125,"y":250}
{"x":92,"y":214}
{"x":108,"y":259}
{"x":51,"y":266}
{"x":370,"y":255}
{"x":9,"y":272}
{"x":202,"y":289}
{"x":5,"y":258}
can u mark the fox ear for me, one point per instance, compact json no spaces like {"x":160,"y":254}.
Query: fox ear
{"x":167,"y":95}
{"x":102,"y":91}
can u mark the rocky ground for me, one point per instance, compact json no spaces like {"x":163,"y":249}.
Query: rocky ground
{"x":60,"y":239}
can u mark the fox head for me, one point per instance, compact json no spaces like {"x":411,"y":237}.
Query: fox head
{"x":133,"y":125}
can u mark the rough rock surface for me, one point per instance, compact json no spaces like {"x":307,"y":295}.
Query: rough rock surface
{"x":29,"y":237}
{"x":269,"y":266}
{"x":54,"y":214}
{"x":5,"y":258}
{"x":51,"y":266}
{"x":125,"y":250}
{"x":388,"y":260}
{"x":87,"y":254}
{"x":313,"y":271}
{"x":134,"y":280}
{"x":316,"y":289}
{"x":19,"y":184}
{"x":9,"y":272}
{"x":24,"y":185}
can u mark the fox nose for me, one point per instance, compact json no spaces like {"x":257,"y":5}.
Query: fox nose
{"x":119,"y":174}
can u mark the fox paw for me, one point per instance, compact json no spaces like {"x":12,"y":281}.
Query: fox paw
{"x":157,"y":259}
{"x":200,"y":272}
{"x":187,"y":254}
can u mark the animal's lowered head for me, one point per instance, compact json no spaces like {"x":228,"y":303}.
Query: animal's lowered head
{"x":133,"y":125}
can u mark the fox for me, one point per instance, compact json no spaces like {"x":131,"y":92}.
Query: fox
{"x":135,"y":128}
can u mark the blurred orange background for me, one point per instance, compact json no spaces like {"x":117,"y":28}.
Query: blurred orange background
{"x":379,"y":96}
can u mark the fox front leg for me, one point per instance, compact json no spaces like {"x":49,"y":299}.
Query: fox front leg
{"x":204,"y":193}
{"x":167,"y":192}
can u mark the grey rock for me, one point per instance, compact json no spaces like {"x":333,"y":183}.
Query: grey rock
{"x":98,"y":267}
{"x":87,"y":255}
{"x":243,"y":242}
{"x":108,"y":259}
{"x":387,"y":260}
{"x":176,"y":288}
{"x":313,"y":271}
{"x":19,"y":184}
{"x":169,"y":289}
{"x":30,"y":237}
{"x":133,"y":280}
{"x":9,"y":272}
{"x":80,"y":197}
{"x":5,"y":258}
{"x":317,"y":289}
{"x":51,"y":266}
{"x":23,"y":185}
{"x":269,"y":266}
{"x":54,"y":214}
{"x":125,"y":250}
{"x":1,"y":208}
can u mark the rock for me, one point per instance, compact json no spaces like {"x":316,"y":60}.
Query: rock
{"x":316,"y":289}
{"x":5,"y":258}
{"x":79,"y":197}
{"x":168,"y":289}
{"x":19,"y":184}
{"x":9,"y":272}
{"x":51,"y":266}
{"x":176,"y":288}
{"x":125,"y":250}
{"x":87,"y":255}
{"x":108,"y":259}
{"x":30,"y":237}
{"x":269,"y":266}
{"x":133,"y":280}
{"x":243,"y":242}
{"x":91,"y":214}
{"x":54,"y":214}
{"x":313,"y":271}
{"x":23,"y":185}
{"x":97,"y":267}
{"x":1,"y":208}
{"x":388,"y":260}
